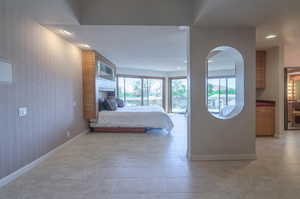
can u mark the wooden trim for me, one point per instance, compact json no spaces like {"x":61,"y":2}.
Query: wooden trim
{"x":285,"y":100}
{"x":89,"y":84}
{"x":118,"y":130}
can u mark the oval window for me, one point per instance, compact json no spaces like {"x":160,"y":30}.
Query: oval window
{"x":225,"y":82}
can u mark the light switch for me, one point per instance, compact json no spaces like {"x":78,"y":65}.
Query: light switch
{"x":22,"y":111}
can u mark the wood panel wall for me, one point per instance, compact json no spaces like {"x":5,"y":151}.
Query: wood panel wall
{"x":47,"y":80}
{"x":89,"y":85}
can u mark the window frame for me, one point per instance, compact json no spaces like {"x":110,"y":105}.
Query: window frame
{"x":219,"y":78}
{"x":239,"y":62}
{"x":142,"y":87}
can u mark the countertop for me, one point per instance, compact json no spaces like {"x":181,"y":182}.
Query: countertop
{"x":265,"y":103}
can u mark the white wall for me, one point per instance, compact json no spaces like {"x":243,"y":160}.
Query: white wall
{"x":47,"y":79}
{"x":212,"y":138}
{"x":141,"y":72}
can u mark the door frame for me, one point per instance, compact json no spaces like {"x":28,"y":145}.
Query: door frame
{"x":286,"y":126}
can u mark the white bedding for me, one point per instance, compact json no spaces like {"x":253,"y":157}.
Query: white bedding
{"x":137,"y":116}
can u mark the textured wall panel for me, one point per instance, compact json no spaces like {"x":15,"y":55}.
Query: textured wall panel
{"x":47,"y":77}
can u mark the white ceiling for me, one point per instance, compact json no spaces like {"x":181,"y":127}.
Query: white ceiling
{"x":159,"y":48}
{"x":282,"y":18}
{"x":268,"y":16}
{"x":164,"y":48}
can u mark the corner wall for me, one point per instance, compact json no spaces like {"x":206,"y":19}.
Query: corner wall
{"x":46,"y":79}
{"x":212,"y":138}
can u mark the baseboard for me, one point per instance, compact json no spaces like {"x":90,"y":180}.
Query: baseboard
{"x":4,"y":181}
{"x":223,"y":157}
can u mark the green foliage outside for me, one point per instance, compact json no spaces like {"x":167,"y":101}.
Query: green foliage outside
{"x":212,"y":91}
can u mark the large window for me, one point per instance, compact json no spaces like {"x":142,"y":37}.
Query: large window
{"x":178,"y":95}
{"x":137,"y":91}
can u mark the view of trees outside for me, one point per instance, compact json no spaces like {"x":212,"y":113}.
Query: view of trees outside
{"x":221,"y":94}
{"x":130,"y":90}
{"x":153,"y":92}
{"x":121,"y":88}
{"x":179,"y":95}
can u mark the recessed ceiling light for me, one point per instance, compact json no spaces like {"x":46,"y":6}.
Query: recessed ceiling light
{"x":65,"y":32}
{"x":271,"y":36}
{"x":178,"y":67}
{"x":84,"y":46}
{"x":210,"y":61}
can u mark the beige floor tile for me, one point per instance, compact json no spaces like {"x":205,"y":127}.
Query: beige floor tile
{"x":154,"y":166}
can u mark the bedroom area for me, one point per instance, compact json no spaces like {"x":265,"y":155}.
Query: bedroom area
{"x":134,"y":77}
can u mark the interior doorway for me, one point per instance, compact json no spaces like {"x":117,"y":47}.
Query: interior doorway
{"x":292,"y":98}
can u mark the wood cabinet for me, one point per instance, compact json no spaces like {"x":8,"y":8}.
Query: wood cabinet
{"x":260,"y":69}
{"x":94,"y":65}
{"x":265,"y":119}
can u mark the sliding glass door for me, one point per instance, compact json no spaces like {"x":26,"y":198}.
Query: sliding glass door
{"x":178,"y":95}
{"x":145,"y":91}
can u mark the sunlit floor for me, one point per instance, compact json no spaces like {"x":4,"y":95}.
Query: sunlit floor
{"x":154,"y":166}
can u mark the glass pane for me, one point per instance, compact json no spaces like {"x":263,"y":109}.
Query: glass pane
{"x":223,"y":93}
{"x":179,"y":95}
{"x":153,"y":92}
{"x":231,"y":92}
{"x":213,"y":95}
{"x":133,"y":91}
{"x":121,"y":87}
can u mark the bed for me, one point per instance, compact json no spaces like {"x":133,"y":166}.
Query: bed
{"x":132,"y":119}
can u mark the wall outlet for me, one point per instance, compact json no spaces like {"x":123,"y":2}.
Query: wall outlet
{"x":68,"y":133}
{"x":22,"y":111}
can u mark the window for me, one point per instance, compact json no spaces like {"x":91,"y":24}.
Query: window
{"x":141,"y":91}
{"x":221,"y":93}
{"x":225,"y":82}
{"x":152,"y":92}
{"x":178,"y":94}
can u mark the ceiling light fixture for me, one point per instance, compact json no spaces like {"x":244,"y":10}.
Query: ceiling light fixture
{"x":84,"y":46}
{"x":65,"y":32}
{"x":271,"y":36}
{"x":210,"y":61}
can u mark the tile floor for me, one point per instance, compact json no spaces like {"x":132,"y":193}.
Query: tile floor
{"x":153,"y":166}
